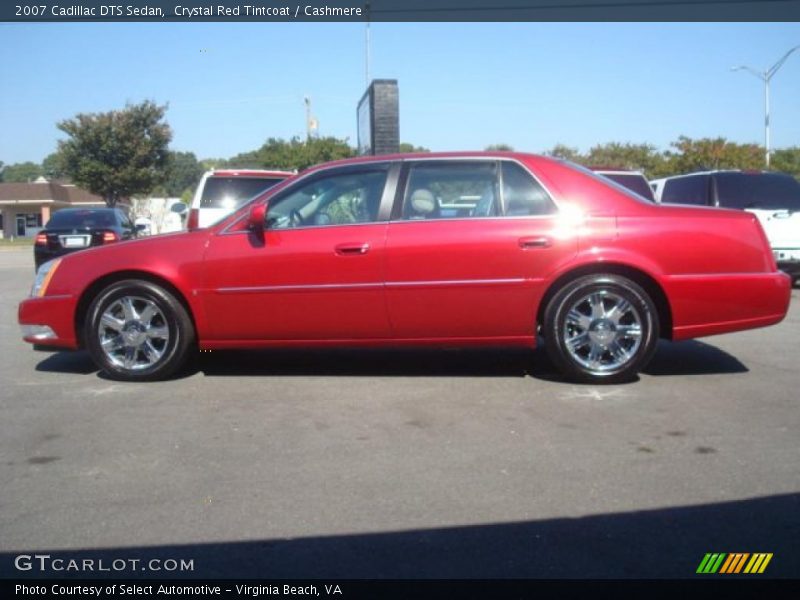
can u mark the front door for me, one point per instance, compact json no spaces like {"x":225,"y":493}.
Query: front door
{"x":20,"y":226}
{"x":317,"y":274}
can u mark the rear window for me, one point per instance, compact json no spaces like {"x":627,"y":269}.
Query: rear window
{"x":771,"y":191}
{"x":82,"y":218}
{"x":231,"y":192}
{"x":634,"y":182}
{"x":686,"y":190}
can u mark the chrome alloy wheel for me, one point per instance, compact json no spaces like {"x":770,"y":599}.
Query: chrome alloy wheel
{"x":602,"y":331}
{"x":133,"y":333}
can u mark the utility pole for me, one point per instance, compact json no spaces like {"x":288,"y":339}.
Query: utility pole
{"x":307,"y":101}
{"x":765,"y":76}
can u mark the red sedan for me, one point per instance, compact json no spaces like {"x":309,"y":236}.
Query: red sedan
{"x":425,"y":249}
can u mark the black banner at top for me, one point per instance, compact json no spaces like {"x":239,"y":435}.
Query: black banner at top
{"x":399,"y":10}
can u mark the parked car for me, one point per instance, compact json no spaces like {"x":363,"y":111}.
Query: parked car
{"x":473,"y":249}
{"x":633,"y":180}
{"x":73,"y":229}
{"x":222,"y":191}
{"x":773,"y":197}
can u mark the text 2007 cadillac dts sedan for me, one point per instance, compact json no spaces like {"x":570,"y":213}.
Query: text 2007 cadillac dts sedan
{"x":420,"y":249}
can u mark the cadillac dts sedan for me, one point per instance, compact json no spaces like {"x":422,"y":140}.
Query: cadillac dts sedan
{"x":457,"y":249}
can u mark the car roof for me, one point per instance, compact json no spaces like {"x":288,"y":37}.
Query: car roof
{"x":86,"y":209}
{"x":615,"y":171}
{"x":249,"y":173}
{"x":715,"y":171}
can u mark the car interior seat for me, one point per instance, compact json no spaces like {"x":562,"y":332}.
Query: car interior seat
{"x":422,"y":204}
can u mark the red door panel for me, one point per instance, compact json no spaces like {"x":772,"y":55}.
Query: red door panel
{"x":300,"y":284}
{"x":471,"y":277}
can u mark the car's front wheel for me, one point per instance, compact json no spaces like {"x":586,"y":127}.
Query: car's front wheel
{"x":138,"y":331}
{"x":601,"y":328}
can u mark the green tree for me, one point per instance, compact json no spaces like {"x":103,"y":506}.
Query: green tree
{"x":712,"y":153}
{"x":405,"y":147}
{"x":786,"y":160}
{"x":183,"y":173}
{"x":52,"y":167}
{"x":639,"y":157}
{"x":499,"y":148}
{"x":566,"y":152}
{"x":117,"y":154}
{"x":21,"y":172}
{"x":293,"y":154}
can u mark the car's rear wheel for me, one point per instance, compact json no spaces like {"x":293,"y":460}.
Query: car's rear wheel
{"x":601,"y":328}
{"x":138,"y":331}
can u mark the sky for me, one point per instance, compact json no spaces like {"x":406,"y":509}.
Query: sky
{"x":463,"y":86}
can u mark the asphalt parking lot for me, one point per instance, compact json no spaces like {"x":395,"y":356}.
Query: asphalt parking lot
{"x":389,"y":464}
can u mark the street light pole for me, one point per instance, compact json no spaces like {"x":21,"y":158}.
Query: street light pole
{"x":765,"y":76}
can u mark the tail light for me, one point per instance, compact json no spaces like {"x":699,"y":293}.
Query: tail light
{"x":109,"y":236}
{"x":193,"y":220}
{"x":41,"y":239}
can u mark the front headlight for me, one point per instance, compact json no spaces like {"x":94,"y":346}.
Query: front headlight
{"x":43,"y":277}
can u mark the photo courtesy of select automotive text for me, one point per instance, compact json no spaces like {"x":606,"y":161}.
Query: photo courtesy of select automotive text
{"x":400,"y":299}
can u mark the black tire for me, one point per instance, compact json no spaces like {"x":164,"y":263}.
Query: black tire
{"x":153,"y":358}
{"x":589,"y":348}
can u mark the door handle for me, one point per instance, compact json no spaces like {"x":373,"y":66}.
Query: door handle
{"x":352,"y":249}
{"x":527,"y":243}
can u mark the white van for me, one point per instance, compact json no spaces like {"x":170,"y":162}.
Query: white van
{"x":773,"y":197}
{"x":221,"y":191}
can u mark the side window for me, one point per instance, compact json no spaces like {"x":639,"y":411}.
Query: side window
{"x":123,"y":220}
{"x":451,"y":190}
{"x":522,"y":194}
{"x":339,"y":199}
{"x":686,"y":190}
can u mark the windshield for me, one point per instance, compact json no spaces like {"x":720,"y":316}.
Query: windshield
{"x":769,"y":191}
{"x":81,"y":218}
{"x":232,"y":192}
{"x":635,"y":182}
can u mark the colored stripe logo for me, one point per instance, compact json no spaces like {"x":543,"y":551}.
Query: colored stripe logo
{"x":734,"y":563}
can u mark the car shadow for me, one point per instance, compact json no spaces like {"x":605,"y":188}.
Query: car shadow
{"x":368,"y":362}
{"x":692,"y":357}
{"x":672,"y":358}
{"x":668,"y":542}
{"x":78,"y":363}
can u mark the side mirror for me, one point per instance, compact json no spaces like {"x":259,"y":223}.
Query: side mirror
{"x":257,"y":217}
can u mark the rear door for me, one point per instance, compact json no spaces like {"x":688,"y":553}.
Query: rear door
{"x":468,"y":248}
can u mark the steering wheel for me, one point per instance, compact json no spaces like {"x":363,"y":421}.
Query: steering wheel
{"x":296,"y":219}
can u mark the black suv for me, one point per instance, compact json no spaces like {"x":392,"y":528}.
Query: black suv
{"x":72,"y":229}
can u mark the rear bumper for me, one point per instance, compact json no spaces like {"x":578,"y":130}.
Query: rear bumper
{"x":713,"y":304}
{"x":53,"y":313}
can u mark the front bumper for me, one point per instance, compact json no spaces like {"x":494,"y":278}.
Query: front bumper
{"x":49,"y":321}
